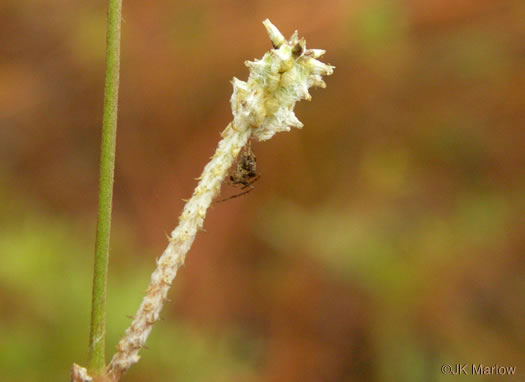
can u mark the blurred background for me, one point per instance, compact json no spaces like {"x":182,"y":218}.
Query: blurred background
{"x":383,"y":240}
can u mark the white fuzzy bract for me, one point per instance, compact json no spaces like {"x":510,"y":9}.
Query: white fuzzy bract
{"x":276,"y":82}
{"x":261,"y":107}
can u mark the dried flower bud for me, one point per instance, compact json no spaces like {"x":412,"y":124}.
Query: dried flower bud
{"x":276,"y":82}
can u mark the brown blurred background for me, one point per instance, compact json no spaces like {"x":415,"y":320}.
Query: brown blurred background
{"x":383,"y":240}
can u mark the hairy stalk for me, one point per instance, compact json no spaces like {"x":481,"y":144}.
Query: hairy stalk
{"x":261,"y":107}
{"x":180,"y":242}
{"x":97,"y":343}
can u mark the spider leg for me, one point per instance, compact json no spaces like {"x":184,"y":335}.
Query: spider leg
{"x":236,"y":195}
{"x":249,"y":184}
{"x":248,"y":187}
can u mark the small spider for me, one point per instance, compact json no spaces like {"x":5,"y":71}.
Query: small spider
{"x":245,"y":174}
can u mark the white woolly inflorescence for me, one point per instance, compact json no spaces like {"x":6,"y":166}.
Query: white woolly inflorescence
{"x":261,"y":107}
{"x":277,"y":81}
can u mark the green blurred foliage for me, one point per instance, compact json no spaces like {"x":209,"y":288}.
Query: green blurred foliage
{"x":45,"y":280}
{"x":383,"y":240}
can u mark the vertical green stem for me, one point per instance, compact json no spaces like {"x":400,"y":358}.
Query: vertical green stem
{"x":97,"y":336}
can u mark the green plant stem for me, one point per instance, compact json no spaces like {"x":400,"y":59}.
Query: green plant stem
{"x":97,"y":336}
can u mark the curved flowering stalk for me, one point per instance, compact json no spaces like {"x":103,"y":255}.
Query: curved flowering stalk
{"x":261,"y":107}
